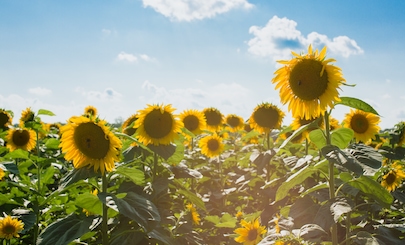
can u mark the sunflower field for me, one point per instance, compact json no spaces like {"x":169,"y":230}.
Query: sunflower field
{"x":201,"y":177}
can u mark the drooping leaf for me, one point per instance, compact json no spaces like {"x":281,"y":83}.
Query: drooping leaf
{"x":165,"y":151}
{"x":356,"y":104}
{"x":135,"y":175}
{"x":366,"y":155}
{"x":341,"y":137}
{"x":76,"y":175}
{"x":159,"y":234}
{"x":340,"y":158}
{"x":64,"y":231}
{"x":11,"y":167}
{"x":313,"y":233}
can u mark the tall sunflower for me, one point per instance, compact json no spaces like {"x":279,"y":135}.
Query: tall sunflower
{"x":364,"y":124}
{"x":157,"y":125}
{"x":214,"y":118}
{"x":87,"y":141}
{"x":194,"y":214}
{"x":334,"y":123}
{"x":266,"y":117}
{"x":394,"y":177}
{"x":5,"y":119}
{"x":250,"y":233}
{"x":26,"y":116}
{"x":211,"y":145}
{"x":90,"y":111}
{"x":193,"y":120}
{"x":10,"y":227}
{"x":18,"y":138}
{"x":308,"y":83}
{"x":234,"y":122}
{"x":126,"y":129}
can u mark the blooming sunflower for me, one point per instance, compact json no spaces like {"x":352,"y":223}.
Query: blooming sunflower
{"x":2,"y":174}
{"x":364,"y":124}
{"x":18,"y":138}
{"x":157,"y":125}
{"x":393,"y":178}
{"x":10,"y":227}
{"x":89,"y":142}
{"x":5,"y":119}
{"x":126,"y":129}
{"x":214,"y":118}
{"x":234,"y":122}
{"x":90,"y":111}
{"x":193,"y":120}
{"x":194,"y":214}
{"x":266,"y":117}
{"x":26,"y":116}
{"x":251,"y":233}
{"x":308,"y":83}
{"x":211,"y":145}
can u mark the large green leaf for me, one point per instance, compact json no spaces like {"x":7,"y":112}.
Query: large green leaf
{"x":356,"y":104}
{"x":11,"y":167}
{"x":341,"y":137}
{"x":64,"y":231}
{"x":90,"y":202}
{"x":135,"y":207}
{"x":340,"y":158}
{"x":18,"y":154}
{"x":76,"y":175}
{"x":366,"y":155}
{"x":45,"y":112}
{"x":135,"y":175}
{"x":165,"y":151}
{"x":52,"y":144}
{"x":317,"y":137}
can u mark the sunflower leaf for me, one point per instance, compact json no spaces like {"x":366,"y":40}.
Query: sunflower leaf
{"x":45,"y":112}
{"x":341,"y":137}
{"x":18,"y":154}
{"x":318,"y":138}
{"x":356,"y":104}
{"x":137,"y":176}
{"x":76,"y":175}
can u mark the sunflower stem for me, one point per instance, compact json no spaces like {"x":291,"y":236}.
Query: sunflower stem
{"x":36,"y":227}
{"x":268,"y":140}
{"x":155,"y":165}
{"x":331,"y":176}
{"x":104,"y":227}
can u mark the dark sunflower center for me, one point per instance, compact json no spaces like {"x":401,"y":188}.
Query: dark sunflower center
{"x":390,"y":179}
{"x":213,"y":118}
{"x":266,"y":117}
{"x":91,"y":140}
{"x":233,"y":122}
{"x":359,"y":123}
{"x":9,"y":229}
{"x":4,"y":119}
{"x":252,"y":235}
{"x":306,"y":81}
{"x":21,"y":137}
{"x":191,"y":122}
{"x":91,"y":111}
{"x":213,"y":144}
{"x":158,"y":125}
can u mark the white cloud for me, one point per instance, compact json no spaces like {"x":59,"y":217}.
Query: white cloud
{"x":280,"y":35}
{"x":108,"y":95}
{"x":127,"y":57}
{"x":106,"y":32}
{"x":39,"y":91}
{"x":188,"y":10}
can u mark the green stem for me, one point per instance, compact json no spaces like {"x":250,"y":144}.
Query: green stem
{"x":36,"y":227}
{"x":105,"y":216}
{"x":155,"y":165}
{"x":268,"y":140}
{"x":331,"y":176}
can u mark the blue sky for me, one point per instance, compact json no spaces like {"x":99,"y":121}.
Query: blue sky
{"x":121,"y":55}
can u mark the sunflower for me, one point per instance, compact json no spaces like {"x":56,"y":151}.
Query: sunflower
{"x":299,"y":122}
{"x":2,"y":174}
{"x":10,"y":227}
{"x":18,"y":138}
{"x":334,"y":123}
{"x":157,"y":125}
{"x":126,"y":126}
{"x":393,"y":178}
{"x":26,"y":116}
{"x":214,"y":118}
{"x":193,"y":120}
{"x":5,"y":119}
{"x":266,"y":117}
{"x":194,"y":214}
{"x":211,"y":145}
{"x":308,"y":83}
{"x":89,"y":142}
{"x":251,"y":233}
{"x":234,"y":122}
{"x":399,"y":129}
{"x":364,"y":124}
{"x":90,"y":111}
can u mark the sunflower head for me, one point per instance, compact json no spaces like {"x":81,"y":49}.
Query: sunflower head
{"x":399,"y":133}
{"x":308,"y":83}
{"x":26,"y":116}
{"x":393,"y":177}
{"x":90,"y":111}
{"x":250,"y":232}
{"x":211,"y":145}
{"x":214,"y":118}
{"x":299,"y":122}
{"x":10,"y":227}
{"x":364,"y":124}
{"x":194,"y":214}
{"x":2,"y":174}
{"x":266,"y":117}
{"x":5,"y":119}
{"x":334,"y":123}
{"x":234,"y":122}
{"x":18,"y":138}
{"x":157,"y":125}
{"x":193,"y":120}
{"x":128,"y":125}
{"x":89,"y":142}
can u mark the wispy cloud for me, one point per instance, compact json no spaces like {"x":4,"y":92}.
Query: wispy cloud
{"x":188,"y":10}
{"x":132,"y":58}
{"x":39,"y":91}
{"x":108,"y":94}
{"x":280,"y":35}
